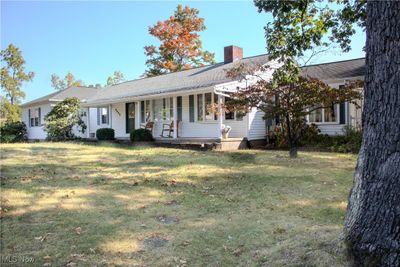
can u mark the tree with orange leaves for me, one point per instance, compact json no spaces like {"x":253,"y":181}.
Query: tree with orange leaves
{"x":180,"y":47}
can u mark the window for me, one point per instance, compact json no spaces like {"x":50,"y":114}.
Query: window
{"x":200,"y":107}
{"x":229,"y":115}
{"x":324,"y":115}
{"x":179,"y":107}
{"x":34,"y":117}
{"x":205,"y":103}
{"x":147,"y":110}
{"x":104,"y":115}
{"x":208,"y":103}
{"x":315,"y":116}
{"x":191,"y":108}
{"x":330,"y":114}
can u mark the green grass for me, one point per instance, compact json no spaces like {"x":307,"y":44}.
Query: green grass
{"x":66,"y":204}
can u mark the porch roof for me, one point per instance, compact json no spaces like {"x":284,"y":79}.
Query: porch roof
{"x":193,"y":79}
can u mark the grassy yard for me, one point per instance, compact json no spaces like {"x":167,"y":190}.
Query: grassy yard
{"x":107,"y":205}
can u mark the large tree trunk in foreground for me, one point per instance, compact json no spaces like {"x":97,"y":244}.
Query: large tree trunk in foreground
{"x":372,"y":225}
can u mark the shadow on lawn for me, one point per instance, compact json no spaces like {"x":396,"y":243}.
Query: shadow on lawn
{"x":114,"y":199}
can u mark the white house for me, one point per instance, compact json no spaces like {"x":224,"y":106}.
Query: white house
{"x":34,"y":112}
{"x":181,"y":98}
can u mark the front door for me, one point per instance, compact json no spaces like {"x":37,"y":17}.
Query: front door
{"x":130,"y":117}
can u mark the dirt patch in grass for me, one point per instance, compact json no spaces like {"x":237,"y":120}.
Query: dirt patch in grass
{"x":167,"y":219}
{"x":154,"y":242}
{"x":134,"y":206}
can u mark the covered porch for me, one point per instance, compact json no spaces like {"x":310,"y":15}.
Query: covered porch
{"x":187,"y":112}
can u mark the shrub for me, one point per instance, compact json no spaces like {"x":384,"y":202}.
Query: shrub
{"x":141,"y":135}
{"x":60,"y":121}
{"x":105,"y":134}
{"x":349,"y":142}
{"x":308,"y":133}
{"x":13,"y":132}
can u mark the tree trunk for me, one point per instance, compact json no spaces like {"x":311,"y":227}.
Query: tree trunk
{"x":292,"y":144}
{"x":372,"y":224}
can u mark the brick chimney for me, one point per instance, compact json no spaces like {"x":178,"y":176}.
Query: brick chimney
{"x":232,"y":53}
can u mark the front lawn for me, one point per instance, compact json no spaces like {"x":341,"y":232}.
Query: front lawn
{"x":85,"y":205}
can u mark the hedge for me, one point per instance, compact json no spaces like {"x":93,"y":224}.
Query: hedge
{"x":105,"y":134}
{"x":141,"y":135}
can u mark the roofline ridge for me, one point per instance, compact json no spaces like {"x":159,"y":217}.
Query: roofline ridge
{"x":332,"y":62}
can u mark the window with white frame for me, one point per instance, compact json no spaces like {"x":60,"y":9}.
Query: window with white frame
{"x":204,"y":104}
{"x":233,"y":115}
{"x":145,"y":111}
{"x":325,"y":115}
{"x":163,"y":109}
{"x":102,"y":115}
{"x":34,"y":117}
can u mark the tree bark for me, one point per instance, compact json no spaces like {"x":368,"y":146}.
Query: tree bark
{"x":292,"y":144}
{"x":372,"y":224}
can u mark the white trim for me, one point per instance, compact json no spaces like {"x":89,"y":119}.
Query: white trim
{"x":175,"y":117}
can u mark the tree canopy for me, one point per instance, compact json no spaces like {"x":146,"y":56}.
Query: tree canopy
{"x":305,"y":26}
{"x":12,"y":76}
{"x":13,"y":73}
{"x":116,"y":78}
{"x":181,"y":47}
{"x":289,"y":95}
{"x":68,"y":81}
{"x":61,"y":120}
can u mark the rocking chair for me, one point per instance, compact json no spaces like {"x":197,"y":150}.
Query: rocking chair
{"x":148,"y":126}
{"x":169,"y":128}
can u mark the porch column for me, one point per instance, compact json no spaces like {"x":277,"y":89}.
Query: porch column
{"x":220,"y":116}
{"x":88,"y":122}
{"x":175,"y":110}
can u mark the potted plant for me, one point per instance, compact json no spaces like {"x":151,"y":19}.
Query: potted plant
{"x":225,"y":131}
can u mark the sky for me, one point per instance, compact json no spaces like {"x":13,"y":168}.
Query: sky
{"x":92,"y":39}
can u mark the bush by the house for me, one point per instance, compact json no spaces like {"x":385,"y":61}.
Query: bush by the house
{"x":60,"y":121}
{"x":349,"y":142}
{"x":278,"y":137}
{"x":141,"y":135}
{"x":13,"y":132}
{"x":105,"y":134}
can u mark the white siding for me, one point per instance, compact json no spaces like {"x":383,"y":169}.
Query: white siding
{"x":36,"y":132}
{"x":331,"y":129}
{"x":93,"y":121}
{"x":257,"y":129}
{"x":202,"y":129}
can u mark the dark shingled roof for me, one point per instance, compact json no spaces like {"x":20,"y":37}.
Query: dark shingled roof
{"x":81,"y":92}
{"x":336,"y":70}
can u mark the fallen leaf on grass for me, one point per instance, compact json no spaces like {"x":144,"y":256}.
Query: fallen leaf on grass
{"x":47,"y":257}
{"x":42,"y":238}
{"x":237,"y":252}
{"x":78,"y":230}
{"x":186,"y":243}
{"x":70,"y":264}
